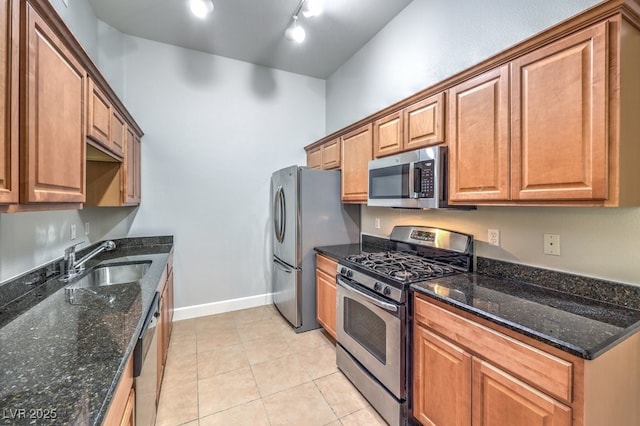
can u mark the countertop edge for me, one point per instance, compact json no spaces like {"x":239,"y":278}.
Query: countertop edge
{"x":104,"y":409}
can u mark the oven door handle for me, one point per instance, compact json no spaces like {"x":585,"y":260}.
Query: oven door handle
{"x":379,"y":303}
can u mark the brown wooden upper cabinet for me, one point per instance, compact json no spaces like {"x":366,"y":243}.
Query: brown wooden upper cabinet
{"x":131,"y":176}
{"x":552,"y":121}
{"x":118,"y":133}
{"x":478,"y":137}
{"x":314,"y":157}
{"x":357,"y":150}
{"x":105,"y":125}
{"x":418,"y":125}
{"x":325,"y":156}
{"x":9,"y":142}
{"x":53,"y":142}
{"x":98,"y":115}
{"x":559,"y":119}
{"x":544,"y":137}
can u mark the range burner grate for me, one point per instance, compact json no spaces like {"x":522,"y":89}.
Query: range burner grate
{"x":400,"y":266}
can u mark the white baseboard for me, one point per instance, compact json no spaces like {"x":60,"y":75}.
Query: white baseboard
{"x":221,"y":307}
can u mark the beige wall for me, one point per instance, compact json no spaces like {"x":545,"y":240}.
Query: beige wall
{"x":596,"y":242}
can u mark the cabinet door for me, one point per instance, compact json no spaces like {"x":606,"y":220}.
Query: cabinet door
{"x":98,"y":116}
{"x":118,"y":133}
{"x":161,"y":341}
{"x":9,"y":94}
{"x":170,"y":306}
{"x":129,"y":415}
{"x":331,"y":154}
{"x":326,"y":302}
{"x":424,"y":123}
{"x":441,"y":381}
{"x":131,"y":175}
{"x":326,"y":293}
{"x":357,"y":150}
{"x":314,"y":158}
{"x":164,"y":328}
{"x":500,"y":399}
{"x":387,"y":135}
{"x":53,"y":167}
{"x":559,"y":112}
{"x":478,"y":138}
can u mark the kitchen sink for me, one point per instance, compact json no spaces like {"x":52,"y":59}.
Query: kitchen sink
{"x":111,"y":274}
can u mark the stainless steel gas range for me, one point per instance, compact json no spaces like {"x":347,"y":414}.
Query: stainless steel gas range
{"x":373,"y":312}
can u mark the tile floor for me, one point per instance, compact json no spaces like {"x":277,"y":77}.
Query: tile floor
{"x":249,"y":367}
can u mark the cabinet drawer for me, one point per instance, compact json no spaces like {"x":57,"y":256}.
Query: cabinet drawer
{"x":542,"y":370}
{"x":326,"y":265}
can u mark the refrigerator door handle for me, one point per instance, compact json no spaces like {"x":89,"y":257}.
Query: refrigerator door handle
{"x":282,"y":266}
{"x":283,"y":209}
{"x":279,"y":214}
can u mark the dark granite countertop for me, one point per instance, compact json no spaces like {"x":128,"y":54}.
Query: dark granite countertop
{"x":340,"y":251}
{"x":575,"y":324}
{"x":61,"y":359}
{"x":579,"y":315}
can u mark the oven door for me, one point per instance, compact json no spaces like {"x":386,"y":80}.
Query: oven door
{"x":371,"y":330}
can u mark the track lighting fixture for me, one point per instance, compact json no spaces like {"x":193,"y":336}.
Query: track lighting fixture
{"x":201,"y":8}
{"x":309,"y":8}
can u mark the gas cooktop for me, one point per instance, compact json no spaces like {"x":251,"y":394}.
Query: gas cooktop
{"x":411,"y":254}
{"x":402,"y":267}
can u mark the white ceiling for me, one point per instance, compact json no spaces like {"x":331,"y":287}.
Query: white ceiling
{"x":253,"y":30}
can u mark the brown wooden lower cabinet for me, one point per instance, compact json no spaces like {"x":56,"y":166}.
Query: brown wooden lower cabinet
{"x":442,"y":384}
{"x":122,"y":408}
{"x":468,"y":371}
{"x":129,"y":415}
{"x":326,"y":293}
{"x":164,"y":325}
{"x":501,"y":399}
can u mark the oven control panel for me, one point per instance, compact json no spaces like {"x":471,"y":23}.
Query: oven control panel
{"x":423,"y":235}
{"x":369,"y":282}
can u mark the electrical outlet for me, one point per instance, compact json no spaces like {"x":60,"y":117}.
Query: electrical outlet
{"x":73,"y":232}
{"x":552,"y":244}
{"x":87,"y":228}
{"x":493,"y":237}
{"x":376,"y":223}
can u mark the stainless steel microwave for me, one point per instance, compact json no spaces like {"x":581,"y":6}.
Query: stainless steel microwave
{"x":414,"y":179}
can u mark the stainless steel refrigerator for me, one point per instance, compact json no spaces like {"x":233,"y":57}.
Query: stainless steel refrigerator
{"x":306,"y":212}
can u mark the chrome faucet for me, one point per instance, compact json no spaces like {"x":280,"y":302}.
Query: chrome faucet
{"x":72,"y":267}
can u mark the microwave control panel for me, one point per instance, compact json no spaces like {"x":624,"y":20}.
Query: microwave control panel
{"x":424,"y":183}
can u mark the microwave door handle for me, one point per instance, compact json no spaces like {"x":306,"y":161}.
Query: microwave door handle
{"x":412,"y":171}
{"x":417,"y":181}
{"x":379,"y":303}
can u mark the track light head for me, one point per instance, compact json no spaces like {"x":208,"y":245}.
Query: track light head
{"x":311,"y":8}
{"x":201,"y":8}
{"x":295,"y":32}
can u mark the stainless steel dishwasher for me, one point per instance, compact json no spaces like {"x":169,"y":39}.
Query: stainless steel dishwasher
{"x":145,"y":367}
